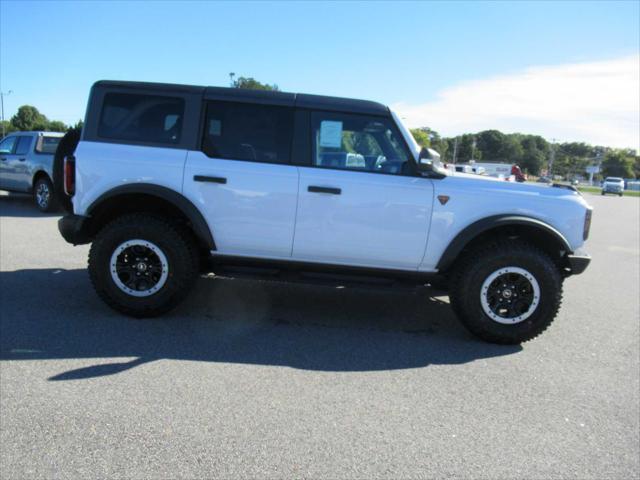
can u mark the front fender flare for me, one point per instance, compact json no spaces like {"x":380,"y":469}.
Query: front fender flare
{"x":477,"y":228}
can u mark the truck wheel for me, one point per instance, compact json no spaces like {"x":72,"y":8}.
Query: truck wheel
{"x":506,"y":292}
{"x":602,"y":193}
{"x":142,"y":265}
{"x":43,"y":195}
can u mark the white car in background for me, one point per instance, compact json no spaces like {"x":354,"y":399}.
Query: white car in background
{"x":613,"y":185}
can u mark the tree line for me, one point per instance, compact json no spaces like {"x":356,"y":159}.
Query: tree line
{"x":29,"y":118}
{"x":532,"y":153}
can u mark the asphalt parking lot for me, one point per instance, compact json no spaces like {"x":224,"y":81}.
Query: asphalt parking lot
{"x":256,"y":379}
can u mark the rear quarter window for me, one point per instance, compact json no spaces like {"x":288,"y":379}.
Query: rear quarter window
{"x":141,"y":118}
{"x":47,"y":144}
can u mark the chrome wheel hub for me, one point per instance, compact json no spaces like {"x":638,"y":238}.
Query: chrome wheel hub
{"x":42,"y":195}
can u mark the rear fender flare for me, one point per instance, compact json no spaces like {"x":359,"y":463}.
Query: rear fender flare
{"x":188,"y":209}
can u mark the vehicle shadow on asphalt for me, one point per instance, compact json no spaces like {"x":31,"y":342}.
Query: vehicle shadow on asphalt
{"x":55,"y":314}
{"x":21,"y":205}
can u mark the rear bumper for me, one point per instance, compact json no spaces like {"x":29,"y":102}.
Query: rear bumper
{"x":73,"y":229}
{"x":578,"y":261}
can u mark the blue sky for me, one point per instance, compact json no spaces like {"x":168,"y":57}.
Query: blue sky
{"x":411,"y":55}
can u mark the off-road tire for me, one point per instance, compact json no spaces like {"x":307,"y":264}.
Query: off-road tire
{"x":51,"y":204}
{"x":478,"y":264}
{"x":174,"y":241}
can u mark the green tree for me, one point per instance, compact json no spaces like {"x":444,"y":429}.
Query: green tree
{"x":490,"y":143}
{"x":535,"y":150}
{"x":253,"y":84}
{"x":56,"y":126}
{"x":618,"y":163}
{"x":636,"y":166}
{"x":466,"y":149}
{"x":28,"y":118}
{"x":511,"y":150}
{"x":421,"y":136}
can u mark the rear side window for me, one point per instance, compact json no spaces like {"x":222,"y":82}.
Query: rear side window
{"x":141,"y":118}
{"x":242,"y":131}
{"x":24,"y":143}
{"x":48,"y":144}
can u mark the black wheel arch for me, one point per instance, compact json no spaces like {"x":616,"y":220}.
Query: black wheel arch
{"x":152,"y":198}
{"x":37,"y":175}
{"x":535,"y":231}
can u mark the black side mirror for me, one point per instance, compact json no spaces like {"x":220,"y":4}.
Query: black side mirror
{"x":428,"y":160}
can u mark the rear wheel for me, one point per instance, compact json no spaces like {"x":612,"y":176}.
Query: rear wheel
{"x":142,"y":265}
{"x":506,"y":292}
{"x":43,"y":195}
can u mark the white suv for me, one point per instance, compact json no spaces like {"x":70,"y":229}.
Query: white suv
{"x":168,"y":181}
{"x":613,"y":185}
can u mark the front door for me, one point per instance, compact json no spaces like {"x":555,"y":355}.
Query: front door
{"x":242,"y":180}
{"x":7,"y":177}
{"x":19,"y":165}
{"x":359,"y":203}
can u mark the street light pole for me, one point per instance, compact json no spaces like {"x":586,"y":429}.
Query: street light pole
{"x":2,"y":107}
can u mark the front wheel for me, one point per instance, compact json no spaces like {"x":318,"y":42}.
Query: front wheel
{"x":142,"y":265}
{"x":506,"y":292}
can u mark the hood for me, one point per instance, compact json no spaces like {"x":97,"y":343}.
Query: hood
{"x":497,"y":184}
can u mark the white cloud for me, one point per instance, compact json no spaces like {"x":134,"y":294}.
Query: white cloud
{"x":597,"y":103}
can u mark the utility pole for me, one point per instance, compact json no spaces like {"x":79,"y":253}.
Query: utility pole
{"x":455,"y":149}
{"x":231,"y":75}
{"x":2,"y":95}
{"x":552,"y":157}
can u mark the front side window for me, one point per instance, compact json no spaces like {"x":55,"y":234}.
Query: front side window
{"x":141,"y":118}
{"x":48,"y":144}
{"x":6,"y":146}
{"x":244,"y":131}
{"x":24,"y":143}
{"x":358,"y":142}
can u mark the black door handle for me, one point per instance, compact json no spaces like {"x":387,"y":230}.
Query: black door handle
{"x":22,"y":159}
{"x":204,"y":178}
{"x":332,"y":190}
{"x":3,"y":159}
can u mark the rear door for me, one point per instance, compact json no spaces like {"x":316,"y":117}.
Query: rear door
{"x":360,"y":202}
{"x":242,"y":179}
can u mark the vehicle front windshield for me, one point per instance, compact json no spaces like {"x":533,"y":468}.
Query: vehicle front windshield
{"x":406,"y":133}
{"x":613,"y":179}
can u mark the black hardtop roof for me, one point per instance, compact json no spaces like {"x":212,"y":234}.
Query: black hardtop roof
{"x":304,"y":100}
